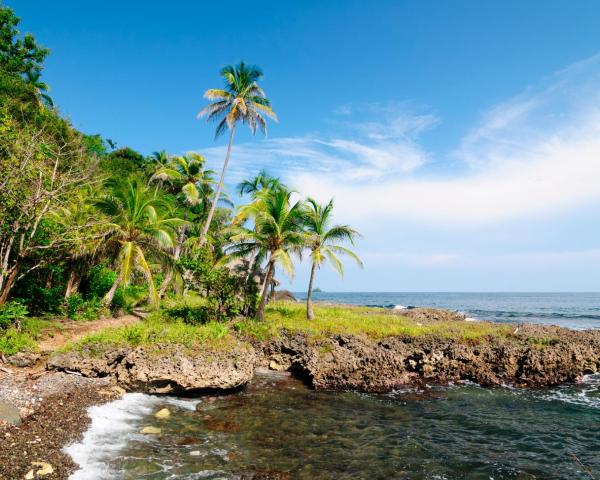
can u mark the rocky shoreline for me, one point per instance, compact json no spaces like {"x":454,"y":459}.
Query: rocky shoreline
{"x":54,"y":403}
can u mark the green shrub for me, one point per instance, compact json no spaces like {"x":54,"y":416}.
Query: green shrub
{"x":12,"y":314}
{"x":100,"y":279}
{"x":13,"y":341}
{"x":77,"y":308}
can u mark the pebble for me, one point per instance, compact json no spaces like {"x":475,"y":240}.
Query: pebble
{"x":163,"y":413}
{"x":150,"y":431}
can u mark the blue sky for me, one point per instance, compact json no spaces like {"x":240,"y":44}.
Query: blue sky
{"x":462,"y":138}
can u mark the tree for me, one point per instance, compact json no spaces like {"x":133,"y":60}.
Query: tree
{"x":189,"y":174}
{"x":18,"y":55}
{"x":241,"y":100}
{"x":40,"y":88}
{"x":260,"y":183}
{"x":323,"y":243}
{"x":40,"y":168}
{"x":277,"y":233}
{"x":138,"y":231}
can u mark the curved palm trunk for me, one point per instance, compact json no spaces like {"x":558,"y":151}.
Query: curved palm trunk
{"x":218,"y":192}
{"x":309,"y":306}
{"x":108,"y":298}
{"x":263,"y":298}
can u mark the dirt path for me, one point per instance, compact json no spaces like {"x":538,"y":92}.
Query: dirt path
{"x":69,"y":330}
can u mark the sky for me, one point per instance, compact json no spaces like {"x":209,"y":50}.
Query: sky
{"x":462,"y":139}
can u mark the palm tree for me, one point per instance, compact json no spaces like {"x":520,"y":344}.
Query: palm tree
{"x":277,"y":233}
{"x":263,"y":181}
{"x":40,"y":88}
{"x":137,"y":232}
{"x":323,"y":243}
{"x":187,"y":170}
{"x":241,"y":100}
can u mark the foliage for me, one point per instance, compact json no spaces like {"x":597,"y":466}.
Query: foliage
{"x":18,"y":55}
{"x":372,"y":322}
{"x":12,"y":314}
{"x":78,"y":308}
{"x":14,"y":340}
{"x":156,"y":330}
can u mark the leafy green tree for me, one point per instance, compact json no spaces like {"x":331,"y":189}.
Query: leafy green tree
{"x":277,"y":233}
{"x":242,"y":100}
{"x":18,"y":55}
{"x":138,"y":231}
{"x":323,"y":242}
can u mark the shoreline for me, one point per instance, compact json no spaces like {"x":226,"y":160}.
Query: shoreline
{"x":327,"y":361}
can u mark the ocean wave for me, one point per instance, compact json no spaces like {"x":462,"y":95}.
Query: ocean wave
{"x":112,"y":427}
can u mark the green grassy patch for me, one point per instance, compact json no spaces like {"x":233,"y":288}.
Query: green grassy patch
{"x":13,"y":341}
{"x":157,"y":330}
{"x":372,"y":322}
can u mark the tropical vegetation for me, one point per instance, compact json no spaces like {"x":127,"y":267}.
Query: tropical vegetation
{"x":90,"y":230}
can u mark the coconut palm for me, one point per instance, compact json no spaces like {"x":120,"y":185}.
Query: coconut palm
{"x":137,"y":232}
{"x":261,"y":182}
{"x":241,"y":100}
{"x":40,"y":88}
{"x":323,"y":243}
{"x":277,"y":234}
{"x":188,"y":171}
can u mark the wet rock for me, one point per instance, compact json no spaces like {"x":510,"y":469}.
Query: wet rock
{"x":9,"y":414}
{"x":23,"y":359}
{"x":41,"y":469}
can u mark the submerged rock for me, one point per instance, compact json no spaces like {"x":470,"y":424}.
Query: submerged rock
{"x":151,"y":431}
{"x":163,"y":413}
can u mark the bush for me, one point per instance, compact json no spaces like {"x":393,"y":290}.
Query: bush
{"x":77,"y":308}
{"x":12,"y":314}
{"x":100,"y":279}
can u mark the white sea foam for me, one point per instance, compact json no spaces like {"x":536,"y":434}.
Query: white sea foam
{"x":399,"y":307}
{"x":113,"y":425}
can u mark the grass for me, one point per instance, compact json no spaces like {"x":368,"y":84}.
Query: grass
{"x":373,"y":322}
{"x":156,"y":330}
{"x":13,"y":341}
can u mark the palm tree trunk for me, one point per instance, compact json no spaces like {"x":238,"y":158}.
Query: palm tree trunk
{"x":176,"y":254}
{"x":218,"y":192}
{"x":108,"y":298}
{"x":263,"y":298}
{"x":309,"y":306}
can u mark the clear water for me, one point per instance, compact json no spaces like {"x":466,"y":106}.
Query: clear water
{"x":573,"y":310}
{"x":279,"y":429}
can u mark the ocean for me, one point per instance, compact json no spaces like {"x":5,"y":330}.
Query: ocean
{"x":572,"y":310}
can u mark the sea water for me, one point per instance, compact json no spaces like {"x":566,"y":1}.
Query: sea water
{"x":278,"y":428}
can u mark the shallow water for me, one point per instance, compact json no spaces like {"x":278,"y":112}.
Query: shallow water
{"x":573,"y":310}
{"x":279,"y":425}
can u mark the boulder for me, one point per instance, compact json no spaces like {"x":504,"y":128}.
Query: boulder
{"x":171,"y":368}
{"x":23,"y":359}
{"x":174,"y":368}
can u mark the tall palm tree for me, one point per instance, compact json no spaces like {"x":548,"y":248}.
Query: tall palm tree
{"x":137,"y":232}
{"x":323,"y":243}
{"x":277,"y":234}
{"x":241,"y":100}
{"x":40,"y":88}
